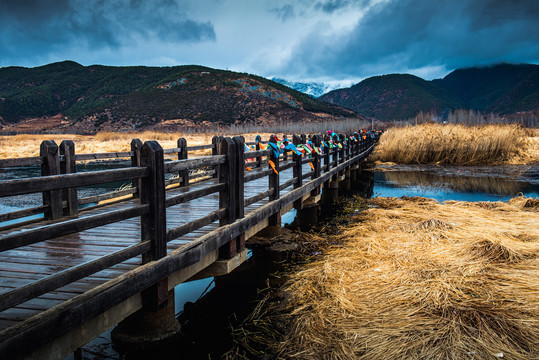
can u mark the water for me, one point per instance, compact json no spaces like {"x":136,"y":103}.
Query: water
{"x":499,"y":183}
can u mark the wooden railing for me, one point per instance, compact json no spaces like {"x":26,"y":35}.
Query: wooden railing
{"x":63,"y":216}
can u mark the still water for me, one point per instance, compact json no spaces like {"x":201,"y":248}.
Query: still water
{"x":499,"y":183}
{"x":441,"y":183}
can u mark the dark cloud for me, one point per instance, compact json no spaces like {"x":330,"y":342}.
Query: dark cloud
{"x":412,"y":34}
{"x":285,"y":12}
{"x":33,"y":27}
{"x":330,"y":6}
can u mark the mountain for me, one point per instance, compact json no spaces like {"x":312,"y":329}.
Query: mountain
{"x":91,"y":98}
{"x":502,"y":89}
{"x":314,"y":89}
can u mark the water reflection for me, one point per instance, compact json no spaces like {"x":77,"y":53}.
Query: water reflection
{"x":451,"y":183}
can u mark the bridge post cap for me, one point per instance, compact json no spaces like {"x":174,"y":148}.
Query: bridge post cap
{"x":67,"y":143}
{"x":152,"y":145}
{"x":136,"y":142}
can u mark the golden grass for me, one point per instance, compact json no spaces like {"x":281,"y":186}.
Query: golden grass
{"x":415,"y":279}
{"x":15,"y":146}
{"x":458,"y":145}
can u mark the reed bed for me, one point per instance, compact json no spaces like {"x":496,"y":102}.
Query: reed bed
{"x":457,"y":145}
{"x":415,"y":279}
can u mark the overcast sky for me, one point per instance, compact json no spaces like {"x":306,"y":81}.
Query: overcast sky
{"x":300,"y":40}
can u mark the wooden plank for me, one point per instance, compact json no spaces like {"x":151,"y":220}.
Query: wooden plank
{"x":48,"y":183}
{"x":22,"y":213}
{"x":107,"y":196}
{"x":257,"y":153}
{"x":199,"y":147}
{"x":100,"y":156}
{"x":25,"y":237}
{"x":194,"y":194}
{"x":256,"y":198}
{"x":27,"y":161}
{"x":172,"y":150}
{"x":190,"y":164}
{"x":65,"y":277}
{"x":257,"y":175}
{"x":179,"y":231}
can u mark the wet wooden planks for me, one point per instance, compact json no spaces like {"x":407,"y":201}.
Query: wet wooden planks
{"x":27,"y":264}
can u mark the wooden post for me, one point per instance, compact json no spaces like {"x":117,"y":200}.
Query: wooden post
{"x":69,"y":166}
{"x":183,"y":174}
{"x":316,"y":140}
{"x":153,"y":224}
{"x":285,"y":152}
{"x":274,"y":220}
{"x":51,"y":166}
{"x":258,"y":139}
{"x":215,"y":151}
{"x":228,"y":174}
{"x":342,"y":155}
{"x":297,"y":171}
{"x":327,"y":152}
{"x":240,"y":187}
{"x":136,"y":148}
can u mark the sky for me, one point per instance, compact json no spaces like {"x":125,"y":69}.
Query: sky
{"x":332,"y":41}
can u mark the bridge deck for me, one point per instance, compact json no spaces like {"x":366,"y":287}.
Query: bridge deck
{"x":27,"y":264}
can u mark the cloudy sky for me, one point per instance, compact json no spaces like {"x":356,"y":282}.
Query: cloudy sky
{"x":300,"y":40}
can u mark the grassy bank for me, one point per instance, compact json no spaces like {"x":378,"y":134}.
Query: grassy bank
{"x":458,"y":145}
{"x":415,"y":279}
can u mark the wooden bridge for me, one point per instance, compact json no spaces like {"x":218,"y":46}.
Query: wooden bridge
{"x":80,"y":266}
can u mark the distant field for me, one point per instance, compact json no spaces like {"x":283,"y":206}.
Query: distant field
{"x":28,"y":145}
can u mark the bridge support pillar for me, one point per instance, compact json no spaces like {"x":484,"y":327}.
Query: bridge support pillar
{"x":330,"y":193}
{"x":147,"y":329}
{"x":308,"y":216}
{"x":344,"y":185}
{"x":274,"y":226}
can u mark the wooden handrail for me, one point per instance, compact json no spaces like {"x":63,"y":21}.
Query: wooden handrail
{"x":57,"y":182}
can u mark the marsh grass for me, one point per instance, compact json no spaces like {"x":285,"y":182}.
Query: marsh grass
{"x":415,"y":279}
{"x":457,"y":145}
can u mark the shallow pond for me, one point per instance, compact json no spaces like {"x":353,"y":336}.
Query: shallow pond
{"x":498,"y":183}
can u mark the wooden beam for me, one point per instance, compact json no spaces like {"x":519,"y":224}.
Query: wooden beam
{"x":69,"y":166}
{"x":182,"y":155}
{"x":154,"y":224}
{"x":52,"y":198}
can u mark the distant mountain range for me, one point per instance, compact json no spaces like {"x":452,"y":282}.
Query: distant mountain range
{"x":72,"y":97}
{"x":315,"y":89}
{"x":501,"y":89}
{"x":92,"y":98}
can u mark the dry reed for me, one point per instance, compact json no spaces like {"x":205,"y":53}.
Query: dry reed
{"x":457,"y":145}
{"x":415,"y":279}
